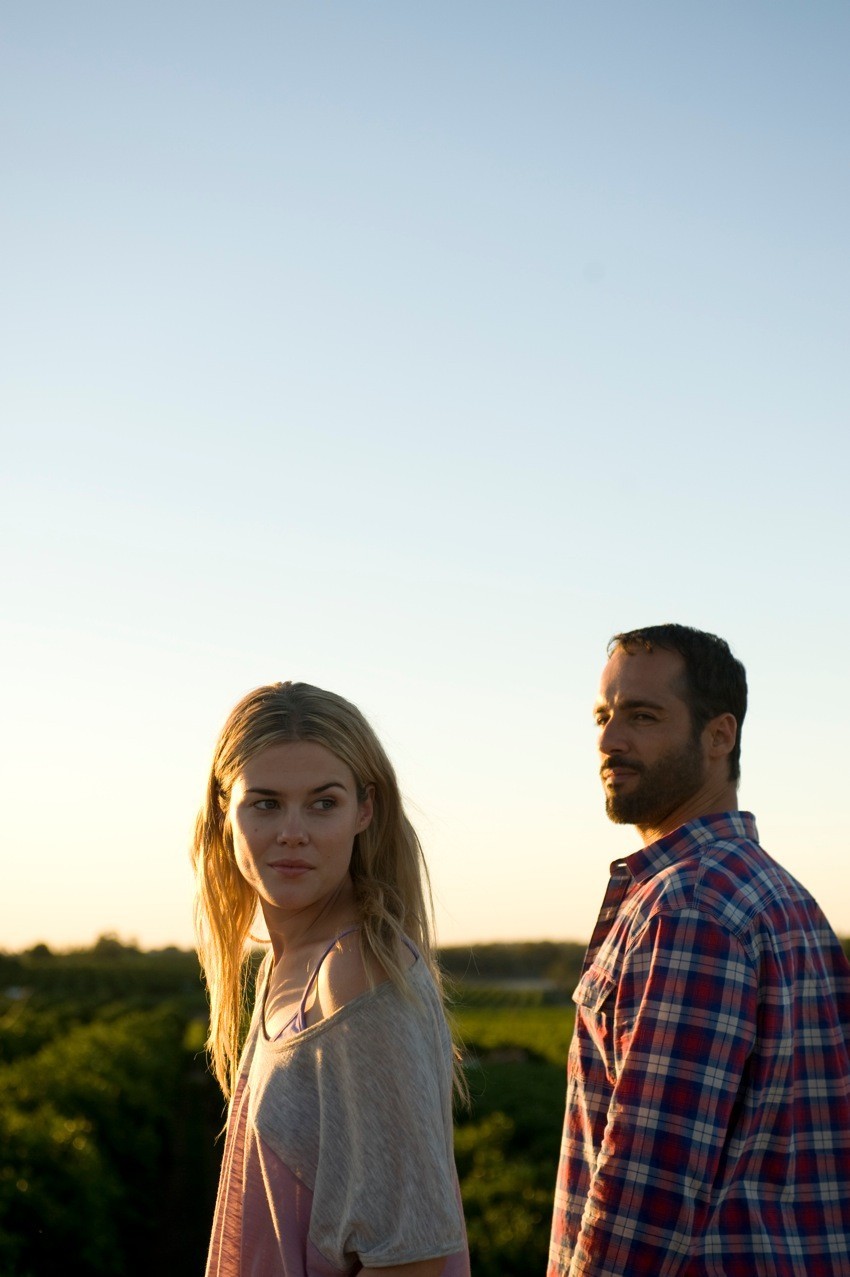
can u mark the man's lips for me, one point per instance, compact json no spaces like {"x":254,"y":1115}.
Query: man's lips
{"x":614,"y":774}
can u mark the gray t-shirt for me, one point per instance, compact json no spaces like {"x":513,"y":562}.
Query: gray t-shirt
{"x":339,"y":1151}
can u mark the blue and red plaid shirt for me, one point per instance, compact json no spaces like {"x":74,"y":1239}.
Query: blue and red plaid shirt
{"x":707,"y":1129}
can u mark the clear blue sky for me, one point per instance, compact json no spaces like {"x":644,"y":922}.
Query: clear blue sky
{"x":413,"y":349}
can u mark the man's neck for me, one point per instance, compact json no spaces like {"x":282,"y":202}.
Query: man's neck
{"x":707,"y":802}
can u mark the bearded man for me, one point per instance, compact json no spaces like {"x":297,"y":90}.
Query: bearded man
{"x":707,"y":1129}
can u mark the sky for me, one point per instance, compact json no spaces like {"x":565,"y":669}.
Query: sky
{"x":413,"y":350}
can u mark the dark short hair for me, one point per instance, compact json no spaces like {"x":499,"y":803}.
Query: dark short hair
{"x":715,"y":681}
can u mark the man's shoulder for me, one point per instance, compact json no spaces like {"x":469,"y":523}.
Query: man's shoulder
{"x":718,"y":867}
{"x":738,"y":881}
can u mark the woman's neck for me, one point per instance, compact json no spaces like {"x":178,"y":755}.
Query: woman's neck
{"x":315,"y":926}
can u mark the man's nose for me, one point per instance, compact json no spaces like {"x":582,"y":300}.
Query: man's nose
{"x":611,"y":739}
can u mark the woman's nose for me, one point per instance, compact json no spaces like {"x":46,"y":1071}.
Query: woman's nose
{"x":292,"y":831}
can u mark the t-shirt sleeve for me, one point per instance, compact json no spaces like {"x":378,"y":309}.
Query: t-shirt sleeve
{"x":386,"y":1187}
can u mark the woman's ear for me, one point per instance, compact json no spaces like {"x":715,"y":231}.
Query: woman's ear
{"x":366,"y":809}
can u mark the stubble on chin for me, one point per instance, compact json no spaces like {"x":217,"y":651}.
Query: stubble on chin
{"x":659,"y":789}
{"x":616,"y":809}
{"x":636,"y":808}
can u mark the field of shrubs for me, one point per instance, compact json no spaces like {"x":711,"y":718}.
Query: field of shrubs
{"x":109,"y":1121}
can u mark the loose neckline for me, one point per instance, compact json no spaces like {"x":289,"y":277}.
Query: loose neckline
{"x":296,"y":1021}
{"x":309,"y":1030}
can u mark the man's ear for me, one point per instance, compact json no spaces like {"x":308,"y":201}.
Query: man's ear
{"x":720,"y":734}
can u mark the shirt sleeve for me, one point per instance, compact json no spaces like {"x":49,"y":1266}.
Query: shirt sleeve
{"x":679,"y":1027}
{"x":386,"y":1186}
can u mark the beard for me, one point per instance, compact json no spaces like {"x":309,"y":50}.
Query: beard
{"x":661,"y":787}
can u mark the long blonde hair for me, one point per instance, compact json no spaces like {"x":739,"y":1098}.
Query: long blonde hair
{"x":391,"y":884}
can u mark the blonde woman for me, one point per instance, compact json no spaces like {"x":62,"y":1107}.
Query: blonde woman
{"x":338,"y":1158}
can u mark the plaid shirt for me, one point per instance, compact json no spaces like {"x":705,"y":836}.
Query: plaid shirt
{"x":707,"y":1128}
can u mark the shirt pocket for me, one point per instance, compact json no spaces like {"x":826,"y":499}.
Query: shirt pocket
{"x":594,"y":999}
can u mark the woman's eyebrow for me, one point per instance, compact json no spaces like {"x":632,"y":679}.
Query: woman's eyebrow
{"x":273,"y":793}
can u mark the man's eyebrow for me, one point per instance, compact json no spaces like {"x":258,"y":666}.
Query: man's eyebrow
{"x":636,"y":702}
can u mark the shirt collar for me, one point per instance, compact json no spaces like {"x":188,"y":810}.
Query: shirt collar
{"x":688,"y":840}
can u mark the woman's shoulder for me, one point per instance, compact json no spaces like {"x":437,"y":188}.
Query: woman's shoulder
{"x":347,"y":973}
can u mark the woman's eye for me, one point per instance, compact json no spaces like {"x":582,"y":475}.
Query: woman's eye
{"x":265,"y":804}
{"x":325,"y":804}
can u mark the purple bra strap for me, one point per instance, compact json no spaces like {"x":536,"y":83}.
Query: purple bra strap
{"x":297,"y":1021}
{"x":299,"y":1018}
